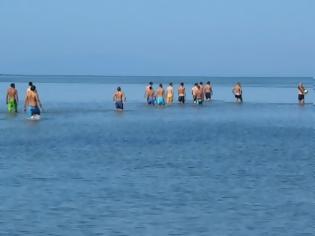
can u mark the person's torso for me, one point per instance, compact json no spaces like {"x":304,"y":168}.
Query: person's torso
{"x":11,"y":93}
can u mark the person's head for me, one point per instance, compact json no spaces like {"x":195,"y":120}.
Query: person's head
{"x":201,"y":83}
{"x":300,"y":84}
{"x":12,"y":85}
{"x":118,"y":89}
{"x":151,"y":83}
{"x":30,"y":84}
{"x":171,"y":84}
{"x":196,"y":84}
{"x":33,"y":88}
{"x":208,"y":82}
{"x":161,"y":85}
{"x":181,"y":84}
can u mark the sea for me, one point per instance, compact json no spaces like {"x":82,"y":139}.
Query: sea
{"x":220,"y":168}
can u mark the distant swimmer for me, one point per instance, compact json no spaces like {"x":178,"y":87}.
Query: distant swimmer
{"x":147,"y":90}
{"x":160,"y":95}
{"x":202,"y":91}
{"x":150,"y":96}
{"x":32,"y":103}
{"x":169,"y":94}
{"x":208,"y":91}
{"x":238,"y":93}
{"x":181,"y":93}
{"x":193,"y":92}
{"x":301,"y":93}
{"x":12,"y":98}
{"x":199,"y":95}
{"x":119,"y":98}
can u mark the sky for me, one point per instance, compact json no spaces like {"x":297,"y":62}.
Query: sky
{"x":158,"y":37}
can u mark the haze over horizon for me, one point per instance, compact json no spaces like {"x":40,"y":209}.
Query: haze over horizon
{"x":204,"y":38}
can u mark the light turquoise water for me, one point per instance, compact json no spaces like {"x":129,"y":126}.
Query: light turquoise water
{"x":217,"y":169}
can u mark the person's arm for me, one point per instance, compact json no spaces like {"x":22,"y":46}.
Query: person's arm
{"x":114,"y":97}
{"x":7,"y":97}
{"x":16,"y":97}
{"x":25,"y":102}
{"x":124,"y":97}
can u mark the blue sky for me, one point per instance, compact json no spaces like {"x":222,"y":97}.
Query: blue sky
{"x":161,"y":37}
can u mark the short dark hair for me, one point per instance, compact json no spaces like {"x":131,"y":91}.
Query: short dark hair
{"x":118,"y":88}
{"x":182,"y":84}
{"x":33,"y":87}
{"x":12,"y":85}
{"x":151,"y":83}
{"x":196,"y":84}
{"x":161,"y":85}
{"x":208,"y":82}
{"x":171,"y":83}
{"x":30,"y":83}
{"x":200,"y":83}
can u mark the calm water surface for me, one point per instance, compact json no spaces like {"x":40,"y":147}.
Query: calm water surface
{"x":217,"y":169}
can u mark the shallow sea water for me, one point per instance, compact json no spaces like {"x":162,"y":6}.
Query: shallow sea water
{"x":217,"y":169}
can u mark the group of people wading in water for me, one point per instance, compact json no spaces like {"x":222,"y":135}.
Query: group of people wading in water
{"x":200,"y":92}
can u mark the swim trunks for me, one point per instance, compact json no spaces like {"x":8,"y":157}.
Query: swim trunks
{"x":301,"y":97}
{"x":160,"y":101}
{"x":119,"y":105}
{"x":208,"y":96}
{"x":181,"y":99}
{"x":33,"y":110}
{"x":12,"y":105}
{"x":150,"y":100}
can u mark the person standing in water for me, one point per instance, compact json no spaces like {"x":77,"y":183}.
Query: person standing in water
{"x":208,"y":91}
{"x":160,"y":95}
{"x":32,"y":103}
{"x":150,"y":96}
{"x":12,"y":98}
{"x":199,"y":95}
{"x":119,"y":98}
{"x":193,"y":92}
{"x":202,"y":91}
{"x":170,"y":93}
{"x":147,"y":90}
{"x":238,"y":93}
{"x":30,"y":84}
{"x":301,"y":93}
{"x":181,"y":93}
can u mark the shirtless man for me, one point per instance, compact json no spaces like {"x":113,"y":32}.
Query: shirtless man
{"x":160,"y":95}
{"x":301,"y":93}
{"x":170,"y":94}
{"x":150,"y":96}
{"x":181,"y":93}
{"x":208,"y":91}
{"x":32,"y":103}
{"x":12,"y":98}
{"x":119,"y":98}
{"x":237,"y":91}
{"x":30,"y":84}
{"x":147,"y":90}
{"x":193,"y":92}
{"x":202,"y":91}
{"x":199,"y":95}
